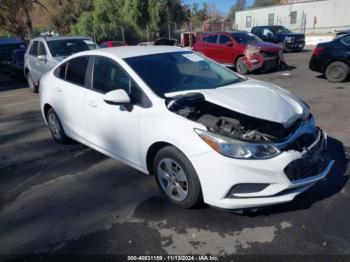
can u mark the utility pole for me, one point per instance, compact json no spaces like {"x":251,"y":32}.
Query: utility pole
{"x":169,"y":30}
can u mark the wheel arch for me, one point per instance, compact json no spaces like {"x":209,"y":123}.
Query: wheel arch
{"x":152,"y":151}
{"x":237,"y":57}
{"x":46,"y":109}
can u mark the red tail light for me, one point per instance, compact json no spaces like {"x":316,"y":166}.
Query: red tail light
{"x":317,"y":50}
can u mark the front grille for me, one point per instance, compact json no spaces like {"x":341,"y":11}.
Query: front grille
{"x":302,"y":142}
{"x":311,"y":164}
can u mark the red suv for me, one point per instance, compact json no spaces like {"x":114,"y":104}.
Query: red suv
{"x":240,"y":49}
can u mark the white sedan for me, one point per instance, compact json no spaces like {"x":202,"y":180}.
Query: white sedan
{"x":204,"y":132}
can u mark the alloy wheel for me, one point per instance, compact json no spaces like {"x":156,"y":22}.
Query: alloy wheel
{"x":55,"y":126}
{"x":172,"y":179}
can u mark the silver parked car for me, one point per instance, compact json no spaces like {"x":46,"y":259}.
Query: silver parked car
{"x":44,"y":53}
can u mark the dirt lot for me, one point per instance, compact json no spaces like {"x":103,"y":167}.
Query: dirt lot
{"x":73,"y":200}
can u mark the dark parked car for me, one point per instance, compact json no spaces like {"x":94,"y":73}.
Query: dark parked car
{"x":166,"y":41}
{"x":242,"y":50}
{"x":280,"y":35}
{"x":342,"y":33}
{"x":108,"y":44}
{"x":332,"y":59}
{"x":7,"y":45}
{"x":16,"y":64}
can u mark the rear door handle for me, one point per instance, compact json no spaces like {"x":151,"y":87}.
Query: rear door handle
{"x":58,"y":89}
{"x":92,"y":104}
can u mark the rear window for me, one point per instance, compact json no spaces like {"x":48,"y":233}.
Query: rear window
{"x":76,"y":70}
{"x":10,"y":48}
{"x":68,"y":47}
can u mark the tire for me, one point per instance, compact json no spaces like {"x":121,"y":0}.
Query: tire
{"x":177,"y":178}
{"x":337,"y":72}
{"x":31,"y":83}
{"x":282,"y":45}
{"x":56,"y":128}
{"x":241,"y":67}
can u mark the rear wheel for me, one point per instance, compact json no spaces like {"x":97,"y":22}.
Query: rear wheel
{"x":56,"y":128}
{"x":337,"y":72}
{"x":241,"y":67}
{"x":176,"y":177}
{"x":31,"y":83}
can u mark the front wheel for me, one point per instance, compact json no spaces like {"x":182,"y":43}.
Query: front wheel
{"x":31,"y":83}
{"x":337,"y":72}
{"x":177,"y":178}
{"x":282,"y":45}
{"x":241,"y":67}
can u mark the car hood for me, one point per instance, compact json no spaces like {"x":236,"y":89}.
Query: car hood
{"x":59,"y":58}
{"x":257,"y":99}
{"x":266,"y":46}
{"x":294,"y":34}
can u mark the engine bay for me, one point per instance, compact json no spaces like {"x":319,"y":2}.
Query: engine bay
{"x":220,"y":120}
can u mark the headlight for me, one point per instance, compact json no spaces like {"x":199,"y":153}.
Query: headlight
{"x":289,"y":39}
{"x":238,"y":149}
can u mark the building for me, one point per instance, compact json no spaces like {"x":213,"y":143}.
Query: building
{"x":217,"y":24}
{"x":310,"y":17}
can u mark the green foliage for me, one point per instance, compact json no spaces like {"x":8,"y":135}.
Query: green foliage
{"x":67,"y":13}
{"x":260,"y":3}
{"x":239,"y":5}
{"x":139,"y":19}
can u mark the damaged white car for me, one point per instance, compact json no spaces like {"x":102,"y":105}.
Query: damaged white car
{"x":204,"y":132}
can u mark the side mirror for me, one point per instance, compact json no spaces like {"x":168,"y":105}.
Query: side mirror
{"x":42,"y":58}
{"x":229,"y":44}
{"x":117,"y":97}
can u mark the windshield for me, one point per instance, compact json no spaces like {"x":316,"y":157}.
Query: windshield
{"x":69,"y":46}
{"x":246,"y":38}
{"x":180,"y":71}
{"x":282,"y":30}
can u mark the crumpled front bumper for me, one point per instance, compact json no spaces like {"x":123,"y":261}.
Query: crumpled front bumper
{"x":220,"y":175}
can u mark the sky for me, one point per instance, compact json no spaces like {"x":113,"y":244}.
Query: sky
{"x":222,"y":5}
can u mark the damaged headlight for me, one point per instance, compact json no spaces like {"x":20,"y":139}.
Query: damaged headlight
{"x":238,"y":149}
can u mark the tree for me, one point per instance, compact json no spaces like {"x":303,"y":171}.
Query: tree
{"x":137,"y":19}
{"x":68,"y":13}
{"x":260,"y":3}
{"x":15,"y":16}
{"x":198,"y":16}
{"x":239,"y":5}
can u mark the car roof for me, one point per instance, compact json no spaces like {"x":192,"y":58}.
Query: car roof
{"x":53,"y":38}
{"x":11,"y":40}
{"x":261,"y":26}
{"x":134,"y":51}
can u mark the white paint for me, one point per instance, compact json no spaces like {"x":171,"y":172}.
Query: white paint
{"x":330,"y":15}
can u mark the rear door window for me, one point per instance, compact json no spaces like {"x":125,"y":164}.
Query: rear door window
{"x":212,"y":39}
{"x":34,"y":49}
{"x":76,"y":70}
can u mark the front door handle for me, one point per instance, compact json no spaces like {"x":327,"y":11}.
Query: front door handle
{"x":92,"y":104}
{"x":58,"y":89}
